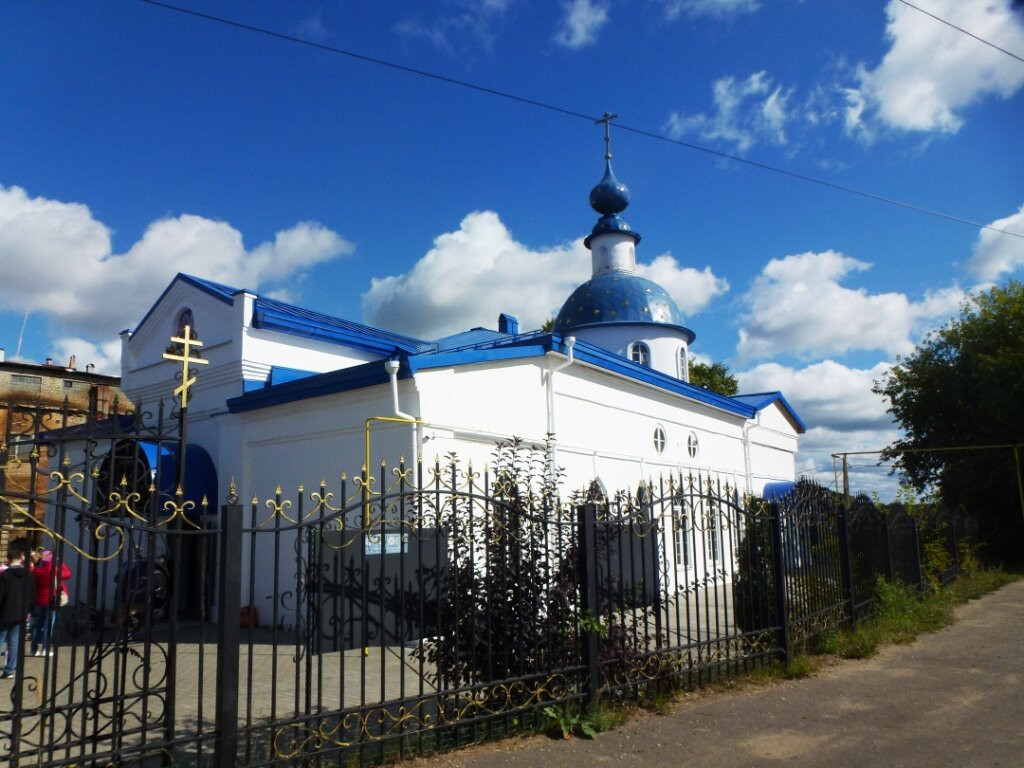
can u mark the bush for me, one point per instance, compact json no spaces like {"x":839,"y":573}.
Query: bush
{"x":508,"y":610}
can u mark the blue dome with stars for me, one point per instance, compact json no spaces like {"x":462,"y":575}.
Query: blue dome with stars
{"x":619,"y":298}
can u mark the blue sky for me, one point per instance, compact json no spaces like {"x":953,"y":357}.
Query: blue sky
{"x":136,"y":142}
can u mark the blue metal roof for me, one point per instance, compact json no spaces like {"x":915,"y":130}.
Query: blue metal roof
{"x":619,"y":297}
{"x":468,"y":338}
{"x":274,"y":315}
{"x":498,"y":347}
{"x":278,"y":316}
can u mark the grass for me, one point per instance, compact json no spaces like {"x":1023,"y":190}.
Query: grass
{"x":902,"y":614}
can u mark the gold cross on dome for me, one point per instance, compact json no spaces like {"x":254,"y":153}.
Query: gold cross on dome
{"x":187,"y":342}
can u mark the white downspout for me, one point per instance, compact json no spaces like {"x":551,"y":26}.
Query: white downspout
{"x":747,"y":462}
{"x":570,"y":343}
{"x":392,"y":366}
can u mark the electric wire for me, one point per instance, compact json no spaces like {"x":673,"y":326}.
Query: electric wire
{"x":961,"y":29}
{"x":575,"y":114}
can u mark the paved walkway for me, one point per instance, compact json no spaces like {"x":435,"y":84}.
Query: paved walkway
{"x":952,"y":699}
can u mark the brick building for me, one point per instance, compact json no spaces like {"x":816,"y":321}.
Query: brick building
{"x":39,"y":398}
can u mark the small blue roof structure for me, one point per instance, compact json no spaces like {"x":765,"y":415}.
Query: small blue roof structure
{"x":761,"y":400}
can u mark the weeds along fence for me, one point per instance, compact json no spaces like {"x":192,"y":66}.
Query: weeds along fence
{"x":405,"y":612}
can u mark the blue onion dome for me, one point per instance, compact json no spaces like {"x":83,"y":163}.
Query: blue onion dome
{"x":619,"y":298}
{"x":610,"y":196}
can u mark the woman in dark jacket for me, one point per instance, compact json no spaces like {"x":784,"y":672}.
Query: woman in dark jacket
{"x":16,"y":590}
{"x":49,"y":591}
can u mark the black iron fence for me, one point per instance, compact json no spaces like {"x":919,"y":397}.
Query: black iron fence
{"x":405,"y":612}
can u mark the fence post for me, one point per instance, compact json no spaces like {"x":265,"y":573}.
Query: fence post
{"x":845,"y":560}
{"x":229,"y":606}
{"x":917,"y":554}
{"x":779,"y":577}
{"x":587,"y":521}
{"x":890,"y":570}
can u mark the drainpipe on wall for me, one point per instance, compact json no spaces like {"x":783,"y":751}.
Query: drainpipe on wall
{"x":570,"y":343}
{"x":747,"y":464}
{"x":392,"y":366}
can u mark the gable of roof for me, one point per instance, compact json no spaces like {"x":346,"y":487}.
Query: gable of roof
{"x":761,"y":400}
{"x":223,"y":293}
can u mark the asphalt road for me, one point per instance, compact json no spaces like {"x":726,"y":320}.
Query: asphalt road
{"x":953,"y":698}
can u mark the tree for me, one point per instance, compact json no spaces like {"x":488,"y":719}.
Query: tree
{"x":963,"y":386}
{"x":713,"y":376}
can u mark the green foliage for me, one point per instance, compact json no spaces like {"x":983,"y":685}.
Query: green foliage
{"x":571,"y":722}
{"x":714,"y":376}
{"x":964,"y":386}
{"x":509,"y":609}
{"x":798,"y":666}
{"x":903,"y":613}
{"x":935,"y":557}
{"x":753,"y":585}
{"x":861,"y":642}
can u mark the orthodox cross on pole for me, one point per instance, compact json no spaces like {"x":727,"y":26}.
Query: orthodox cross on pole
{"x":186,"y":358}
{"x":607,"y":119}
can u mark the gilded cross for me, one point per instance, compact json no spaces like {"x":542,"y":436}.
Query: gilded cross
{"x":607,"y":120}
{"x":187,"y":342}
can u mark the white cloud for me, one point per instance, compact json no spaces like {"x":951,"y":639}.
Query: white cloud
{"x":825,"y":394}
{"x":996,"y":254}
{"x":798,"y":307}
{"x":866,"y":473}
{"x":673,"y":8}
{"x":106,"y":356}
{"x":692,"y":289}
{"x":472,"y":21}
{"x":582,"y":23}
{"x":745,"y":111}
{"x":478,"y":271}
{"x":932,"y":72}
{"x":100,"y":292}
{"x":841,"y":413}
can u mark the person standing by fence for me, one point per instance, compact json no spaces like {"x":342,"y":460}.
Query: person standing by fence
{"x":50,"y":594}
{"x":16,"y":592}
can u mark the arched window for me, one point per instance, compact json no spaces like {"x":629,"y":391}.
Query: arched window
{"x":684,"y":363}
{"x":659,"y":438}
{"x":640,"y":353}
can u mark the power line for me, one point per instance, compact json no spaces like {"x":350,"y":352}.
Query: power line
{"x":961,"y":29}
{"x":572,"y":113}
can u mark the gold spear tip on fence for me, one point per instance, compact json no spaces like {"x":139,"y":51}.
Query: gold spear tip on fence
{"x":179,"y":492}
{"x":302,"y":489}
{"x":277,"y":490}
{"x":66,"y":461}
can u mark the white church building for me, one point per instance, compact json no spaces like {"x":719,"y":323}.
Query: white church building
{"x":286,"y":393}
